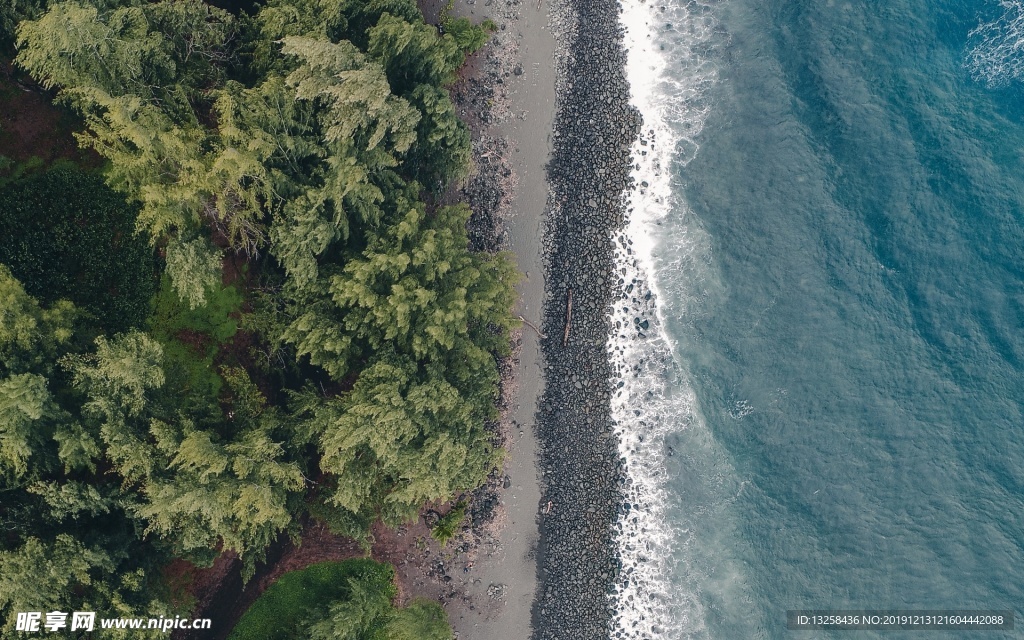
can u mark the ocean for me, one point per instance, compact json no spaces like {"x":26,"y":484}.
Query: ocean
{"x":829,"y":211}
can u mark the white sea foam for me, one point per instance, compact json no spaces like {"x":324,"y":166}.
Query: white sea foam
{"x":669,"y":72}
{"x":996,"y":54}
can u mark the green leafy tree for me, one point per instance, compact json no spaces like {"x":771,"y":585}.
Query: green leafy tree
{"x":348,"y":600}
{"x":241,"y":493}
{"x":421,"y":316}
{"x":64,"y":574}
{"x":27,"y":413}
{"x":416,"y":288}
{"x":74,"y":499}
{"x":413,"y":52}
{"x":160,"y":52}
{"x":75,"y":45}
{"x":442,"y":151}
{"x":399,"y":439}
{"x":195,"y":268}
{"x":45,"y":575}
{"x":198,"y":490}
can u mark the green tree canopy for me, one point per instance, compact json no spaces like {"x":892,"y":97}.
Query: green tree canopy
{"x":197,"y":488}
{"x":31,"y":337}
{"x":303,"y":141}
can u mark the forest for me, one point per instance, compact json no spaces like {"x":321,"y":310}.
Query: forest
{"x":248,"y":311}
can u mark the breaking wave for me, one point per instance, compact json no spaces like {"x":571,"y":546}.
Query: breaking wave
{"x":996,"y":48}
{"x":669,"y":70}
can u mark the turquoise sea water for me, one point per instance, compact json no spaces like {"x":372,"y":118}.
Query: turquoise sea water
{"x":840,"y":269}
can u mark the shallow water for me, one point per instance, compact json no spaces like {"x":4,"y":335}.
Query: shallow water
{"x":832,"y":223}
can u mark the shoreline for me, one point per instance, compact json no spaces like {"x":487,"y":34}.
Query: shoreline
{"x":590,"y":174}
{"x":563,"y":123}
{"x":508,"y":100}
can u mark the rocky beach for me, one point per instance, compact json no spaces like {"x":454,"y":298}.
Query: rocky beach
{"x":564,"y":117}
{"x":589,"y":173}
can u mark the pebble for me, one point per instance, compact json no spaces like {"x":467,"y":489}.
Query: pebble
{"x":581,"y":469}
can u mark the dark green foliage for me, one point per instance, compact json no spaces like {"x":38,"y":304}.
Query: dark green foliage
{"x":412,"y":53}
{"x":399,"y":439}
{"x":28,"y":420}
{"x":348,"y":600}
{"x":214,"y":320}
{"x":449,"y":524}
{"x":300,"y":597}
{"x":68,"y":236}
{"x":14,"y":11}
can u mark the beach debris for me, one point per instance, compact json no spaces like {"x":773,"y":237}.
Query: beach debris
{"x":568,"y":319}
{"x":532,"y":326}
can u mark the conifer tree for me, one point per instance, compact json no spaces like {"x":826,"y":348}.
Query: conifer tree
{"x":27,"y":413}
{"x":195,"y":268}
{"x":198,"y":490}
{"x":43,"y":576}
{"x":316,"y":153}
{"x":30,"y":336}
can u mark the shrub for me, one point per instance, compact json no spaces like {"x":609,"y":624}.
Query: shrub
{"x":449,"y":524}
{"x":68,"y":236}
{"x":299,"y":597}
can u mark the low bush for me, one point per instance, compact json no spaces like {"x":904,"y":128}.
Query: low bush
{"x":69,"y":236}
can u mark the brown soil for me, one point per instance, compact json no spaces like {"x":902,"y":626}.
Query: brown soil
{"x":197,"y":341}
{"x":32,"y":127}
{"x":220,"y":595}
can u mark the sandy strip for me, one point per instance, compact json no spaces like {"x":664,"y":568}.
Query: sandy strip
{"x":498,"y":590}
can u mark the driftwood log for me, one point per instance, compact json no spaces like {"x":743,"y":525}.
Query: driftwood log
{"x":568,"y":319}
